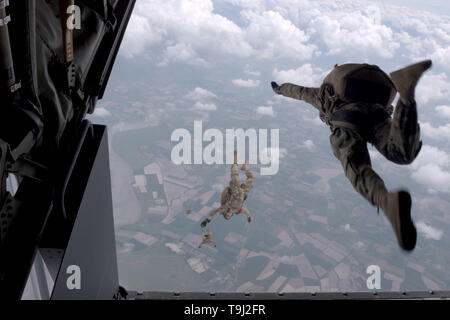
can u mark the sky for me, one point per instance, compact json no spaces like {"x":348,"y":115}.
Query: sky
{"x":299,"y":41}
{"x":253,"y":42}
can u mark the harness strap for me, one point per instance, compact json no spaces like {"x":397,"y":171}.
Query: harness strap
{"x":347,"y":118}
{"x":356,"y":120}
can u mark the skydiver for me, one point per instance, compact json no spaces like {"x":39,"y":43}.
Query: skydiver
{"x":207,"y":238}
{"x":233,"y":197}
{"x":367,"y":117}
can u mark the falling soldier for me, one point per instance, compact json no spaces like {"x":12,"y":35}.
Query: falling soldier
{"x":207,"y":237}
{"x":355,"y":101}
{"x":233,"y":197}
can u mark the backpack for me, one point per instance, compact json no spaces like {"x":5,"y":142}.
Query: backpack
{"x":361,"y":83}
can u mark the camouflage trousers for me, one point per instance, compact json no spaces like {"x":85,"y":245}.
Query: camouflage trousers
{"x":397,"y":139}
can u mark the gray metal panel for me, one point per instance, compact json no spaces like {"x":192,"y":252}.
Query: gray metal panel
{"x":52,"y":258}
{"x":375,"y":295}
{"x":92,"y":245}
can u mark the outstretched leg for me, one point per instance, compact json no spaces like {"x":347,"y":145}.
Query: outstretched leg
{"x":399,"y":139}
{"x":351,"y":149}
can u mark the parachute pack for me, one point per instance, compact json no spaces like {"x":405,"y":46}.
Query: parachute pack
{"x":362,"y":83}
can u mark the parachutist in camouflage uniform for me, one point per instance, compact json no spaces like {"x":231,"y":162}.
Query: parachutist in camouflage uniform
{"x":367,"y":118}
{"x":207,"y":238}
{"x":233,"y":197}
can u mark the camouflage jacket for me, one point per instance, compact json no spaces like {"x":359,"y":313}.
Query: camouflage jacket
{"x":238,"y":194}
{"x":322,"y":99}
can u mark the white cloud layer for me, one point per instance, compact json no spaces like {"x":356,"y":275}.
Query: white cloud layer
{"x":139,"y":35}
{"x":200,"y":94}
{"x":202,"y":99}
{"x":309,"y":144}
{"x":251,"y":72}
{"x":101,"y":112}
{"x":205,"y":106}
{"x":354,"y":32}
{"x":190,"y":25}
{"x":248,"y":4}
{"x":443,"y":111}
{"x":434,"y":177}
{"x":271,"y":35}
{"x":433,"y":87}
{"x":265,"y":111}
{"x":246,"y":83}
{"x":432,"y":169}
{"x":305,"y":75}
{"x":348,"y":228}
{"x":191,"y":30}
{"x":182,"y":52}
{"x":428,"y":231}
{"x":436,"y":133}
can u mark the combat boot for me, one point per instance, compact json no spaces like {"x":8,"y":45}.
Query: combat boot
{"x":405,"y":79}
{"x":397,"y":208}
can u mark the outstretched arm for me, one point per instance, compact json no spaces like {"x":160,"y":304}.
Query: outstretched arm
{"x":290,"y":90}
{"x":212,"y":215}
{"x":248,"y":185}
{"x":234,"y":182}
{"x":247,"y":214}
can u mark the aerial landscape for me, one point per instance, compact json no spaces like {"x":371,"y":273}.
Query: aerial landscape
{"x":310,"y":231}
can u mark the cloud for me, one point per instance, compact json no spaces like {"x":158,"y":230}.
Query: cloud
{"x":433,"y":87}
{"x":299,"y":30}
{"x":432,"y":169}
{"x":434,"y":177}
{"x":441,"y":56}
{"x":205,"y":106}
{"x":138,"y":36}
{"x":245,"y":83}
{"x":348,"y":228}
{"x":190,"y":25}
{"x":250,"y":72}
{"x":314,"y":121}
{"x":355,"y":32}
{"x":304,"y":75}
{"x":272,"y":36}
{"x":429,"y":154}
{"x":202,"y":99}
{"x":437,"y":133}
{"x":182,"y":52}
{"x":200,"y":94}
{"x":101,"y":112}
{"x":309,"y":144}
{"x":266,"y":111}
{"x":248,"y":4}
{"x":428,"y":231}
{"x":443,"y":111}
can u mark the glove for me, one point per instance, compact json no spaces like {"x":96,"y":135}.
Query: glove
{"x":203,"y":224}
{"x":276,"y":88}
{"x":249,"y":219}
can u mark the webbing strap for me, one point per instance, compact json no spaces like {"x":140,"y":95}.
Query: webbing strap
{"x":344,"y":124}
{"x":354,"y":119}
